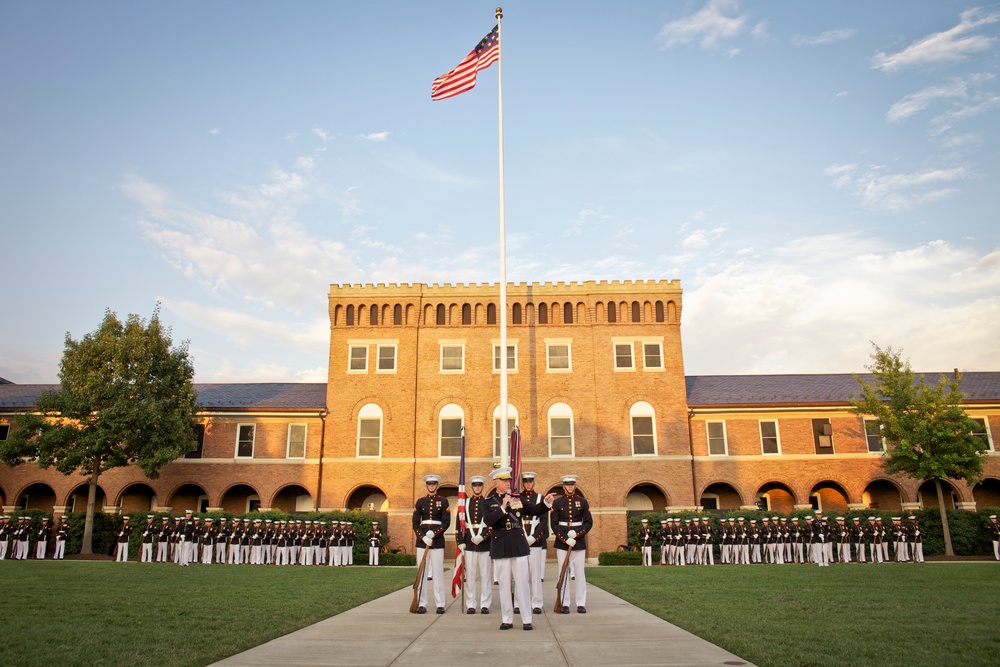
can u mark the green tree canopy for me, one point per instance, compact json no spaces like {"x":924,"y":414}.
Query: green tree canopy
{"x":927,"y":433}
{"x":126,"y":397}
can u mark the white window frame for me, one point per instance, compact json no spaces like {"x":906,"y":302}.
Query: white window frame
{"x":551,"y":343}
{"x":350,"y":359}
{"x":864,"y":425}
{"x":305,"y":440}
{"x":659,"y":346}
{"x":511,"y":423}
{"x":253,"y":439}
{"x":368,"y":413}
{"x":708,"y":437}
{"x":777,"y":436}
{"x":986,"y":428}
{"x":631,"y":355}
{"x":450,"y":412}
{"x":561,"y":411}
{"x":496,"y":357}
{"x":642,"y":410}
{"x":378,"y":358}
{"x":451,"y":344}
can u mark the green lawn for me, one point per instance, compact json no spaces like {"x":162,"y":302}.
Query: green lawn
{"x":892,"y":614}
{"x":103,"y":613}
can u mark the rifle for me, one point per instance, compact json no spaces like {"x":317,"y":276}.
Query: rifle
{"x":562,"y":579}
{"x":418,"y":583}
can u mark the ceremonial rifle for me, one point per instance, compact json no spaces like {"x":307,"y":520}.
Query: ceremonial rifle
{"x":418,"y":583}
{"x":562,"y":579}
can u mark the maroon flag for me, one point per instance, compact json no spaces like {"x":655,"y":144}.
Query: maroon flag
{"x":515,"y":460}
{"x":463,"y":77}
{"x":456,"y":581}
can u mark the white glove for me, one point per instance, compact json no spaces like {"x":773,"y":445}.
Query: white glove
{"x":430,"y":534}
{"x":429,"y":538}
{"x":461,"y":547}
{"x":477,"y":539}
{"x":531,"y":539}
{"x":571,"y":542}
{"x":571,"y":534}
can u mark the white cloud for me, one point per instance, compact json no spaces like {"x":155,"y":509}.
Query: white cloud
{"x":717,"y":22}
{"x":215,"y":131}
{"x":879,"y":190}
{"x":323,"y":134}
{"x":824,"y":38}
{"x":949,"y":46}
{"x":814,"y":304}
{"x":376,"y":137}
{"x":962,"y":90}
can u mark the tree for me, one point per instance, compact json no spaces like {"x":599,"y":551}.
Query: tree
{"x":126,"y":398}
{"x":927,"y":434}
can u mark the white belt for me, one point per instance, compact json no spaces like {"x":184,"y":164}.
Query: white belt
{"x":430,"y":522}
{"x":566,"y":523}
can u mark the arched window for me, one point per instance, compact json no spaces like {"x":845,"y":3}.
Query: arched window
{"x":497,"y":431}
{"x":636,"y":316}
{"x":612,"y":312}
{"x":560,"y":419}
{"x":370,"y":431}
{"x":466,"y":314}
{"x":450,"y":423}
{"x":373,"y":319}
{"x":659,"y":311}
{"x":397,"y":314}
{"x":491,"y":313}
{"x":567,"y":313}
{"x":515,"y":313}
{"x":643,"y":428}
{"x":543,"y":313}
{"x":441,"y":314}
{"x":350,"y":315}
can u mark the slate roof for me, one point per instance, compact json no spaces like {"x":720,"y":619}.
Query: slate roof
{"x":212,"y":396}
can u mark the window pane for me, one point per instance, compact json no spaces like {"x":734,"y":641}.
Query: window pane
{"x":560,"y":436}
{"x":387,"y":358}
{"x":296,"y":440}
{"x":369,"y":437}
{"x":623,"y":355}
{"x":769,"y":437}
{"x":511,"y":358}
{"x":559,"y":356}
{"x":244,"y":445}
{"x":451,"y":437}
{"x":642,"y":435}
{"x":451,"y":358}
{"x":716,"y":438}
{"x":873,"y":434}
{"x":651,"y":355}
{"x":359,"y":358}
{"x":981,"y":433}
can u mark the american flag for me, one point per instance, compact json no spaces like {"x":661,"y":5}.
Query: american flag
{"x":463,"y":77}
{"x":456,"y":581}
{"x":515,"y":460}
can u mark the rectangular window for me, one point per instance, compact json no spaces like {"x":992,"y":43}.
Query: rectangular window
{"x":716,"y":438}
{"x":358,"y":361}
{"x":451,"y":437}
{"x":199,"y":434}
{"x":643,"y":441}
{"x":652,"y":356}
{"x":386,"y":359}
{"x":296,"y":441}
{"x":452,"y":358}
{"x":4,"y":431}
{"x":560,"y":436}
{"x":244,"y":440}
{"x":983,"y":433}
{"x":823,"y":436}
{"x":511,"y":358}
{"x":769,"y":437}
{"x":623,"y":357}
{"x":873,"y":434}
{"x":369,"y":437}
{"x":557,"y":357}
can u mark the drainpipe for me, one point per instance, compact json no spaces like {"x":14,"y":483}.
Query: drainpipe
{"x":322,"y":450}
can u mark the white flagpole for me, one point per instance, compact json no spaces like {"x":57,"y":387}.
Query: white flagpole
{"x":502,"y":311}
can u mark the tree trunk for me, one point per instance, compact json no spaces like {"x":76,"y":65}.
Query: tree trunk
{"x":87,"y":547}
{"x":948,"y":549}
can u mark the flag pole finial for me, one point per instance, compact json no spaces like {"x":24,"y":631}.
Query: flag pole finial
{"x":499,"y":13}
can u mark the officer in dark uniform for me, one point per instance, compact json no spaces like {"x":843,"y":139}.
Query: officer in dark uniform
{"x":124,"y":531}
{"x":431,"y":518}
{"x":148,"y":535}
{"x":994,"y":529}
{"x":478,"y":567}
{"x":646,"y":543}
{"x":570,"y":523}
{"x":62,"y":534}
{"x":42,"y":539}
{"x":374,"y":543}
{"x":537,"y":532}
{"x":505,"y":513}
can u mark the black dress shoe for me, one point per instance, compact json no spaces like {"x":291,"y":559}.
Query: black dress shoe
{"x":506,"y":626}
{"x":421,"y":610}
{"x":581,"y":610}
{"x":565,"y":610}
{"x":517,"y":610}
{"x":484,"y":610}
{"x":527,"y":626}
{"x":441,"y":610}
{"x":536,"y":610}
{"x":470,"y":611}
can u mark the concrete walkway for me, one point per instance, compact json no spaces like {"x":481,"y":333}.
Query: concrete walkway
{"x":383,"y":632}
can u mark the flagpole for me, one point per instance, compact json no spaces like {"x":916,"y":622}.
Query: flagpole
{"x":504,"y":430}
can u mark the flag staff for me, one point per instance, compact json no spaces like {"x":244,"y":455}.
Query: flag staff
{"x":504,"y":430}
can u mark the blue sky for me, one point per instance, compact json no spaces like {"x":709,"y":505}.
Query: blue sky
{"x":817,"y":175}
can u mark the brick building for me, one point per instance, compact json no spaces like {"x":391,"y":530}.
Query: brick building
{"x":596,"y":385}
